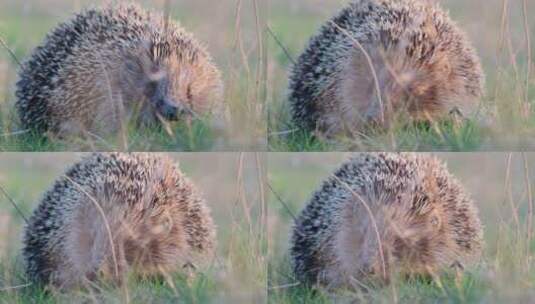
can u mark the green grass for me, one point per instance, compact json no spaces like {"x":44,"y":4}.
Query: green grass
{"x":446,"y":135}
{"x":184,"y":137}
{"x":199,"y":288}
{"x":471,"y":287}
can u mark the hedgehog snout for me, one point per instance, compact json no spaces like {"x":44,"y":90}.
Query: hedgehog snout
{"x":169,"y":110}
{"x":173,"y":110}
{"x":163,"y":102}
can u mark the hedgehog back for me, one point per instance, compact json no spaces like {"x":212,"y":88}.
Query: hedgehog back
{"x":41,"y":73}
{"x":382,"y":24}
{"x":378,"y":178}
{"x":127,"y":176}
{"x":320,"y":220}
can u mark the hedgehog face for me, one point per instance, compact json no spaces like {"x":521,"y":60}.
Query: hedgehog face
{"x":157,"y":92}
{"x":187,"y":79}
{"x":194,"y":82}
{"x":148,"y":83}
{"x":183,"y":90}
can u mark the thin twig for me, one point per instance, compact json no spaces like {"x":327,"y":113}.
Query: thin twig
{"x":528,"y":43}
{"x":285,"y":286}
{"x":15,"y":287}
{"x":260,"y":58}
{"x":530,"y":204}
{"x":102,"y":140}
{"x":166,"y":16}
{"x":12,"y":201}
{"x":284,"y":49}
{"x":277,"y":196}
{"x":500,"y":46}
{"x":4,"y":44}
{"x":509,"y":194}
{"x":242,"y":197}
{"x":166,"y":125}
{"x":286,"y":132}
{"x":237,"y":23}
{"x":372,"y":68}
{"x":372,"y":218}
{"x":15,"y":133}
{"x":117,"y":103}
{"x":106,"y":223}
{"x":262,"y":191}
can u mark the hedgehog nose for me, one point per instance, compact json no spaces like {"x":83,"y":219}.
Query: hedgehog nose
{"x":169,"y":111}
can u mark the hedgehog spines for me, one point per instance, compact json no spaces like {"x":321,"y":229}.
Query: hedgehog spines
{"x":107,"y":58}
{"x":155,"y":217}
{"x":426,"y":222}
{"x":424,"y":65}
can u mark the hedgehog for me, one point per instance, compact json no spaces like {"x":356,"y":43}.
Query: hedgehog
{"x":113,"y":214}
{"x":115,"y":64}
{"x":385,"y":215}
{"x":381,"y":59}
